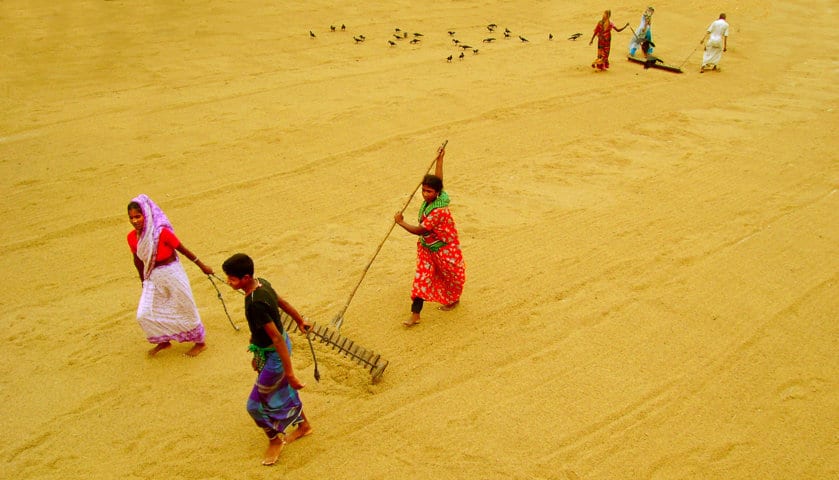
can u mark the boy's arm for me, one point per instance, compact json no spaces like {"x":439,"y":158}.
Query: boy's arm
{"x":285,"y":356}
{"x":293,"y":313}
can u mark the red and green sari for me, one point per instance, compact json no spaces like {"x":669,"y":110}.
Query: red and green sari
{"x":441,"y":271}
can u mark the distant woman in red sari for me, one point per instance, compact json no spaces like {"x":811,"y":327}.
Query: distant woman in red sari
{"x":603,"y":32}
{"x":441,"y":272}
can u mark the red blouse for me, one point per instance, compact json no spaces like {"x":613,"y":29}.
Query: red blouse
{"x":166,"y":245}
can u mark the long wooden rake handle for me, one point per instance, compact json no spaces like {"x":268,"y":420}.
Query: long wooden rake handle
{"x":339,"y":319}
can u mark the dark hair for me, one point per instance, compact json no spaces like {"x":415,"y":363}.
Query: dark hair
{"x":135,"y":206}
{"x":434,"y":182}
{"x":238,"y":266}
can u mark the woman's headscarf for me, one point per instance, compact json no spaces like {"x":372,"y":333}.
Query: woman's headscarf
{"x":155,"y":222}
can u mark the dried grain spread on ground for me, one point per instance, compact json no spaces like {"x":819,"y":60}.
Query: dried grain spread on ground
{"x":652,"y":258}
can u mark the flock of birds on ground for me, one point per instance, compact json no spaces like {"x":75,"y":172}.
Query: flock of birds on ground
{"x":400,"y":35}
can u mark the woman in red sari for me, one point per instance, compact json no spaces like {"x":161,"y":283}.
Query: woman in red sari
{"x":440,"y":272}
{"x":603,"y":32}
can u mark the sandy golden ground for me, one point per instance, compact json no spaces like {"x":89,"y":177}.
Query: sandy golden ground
{"x":653,"y":259}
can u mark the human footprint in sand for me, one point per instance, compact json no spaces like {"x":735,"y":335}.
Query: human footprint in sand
{"x":274,"y":403}
{"x":441,"y":271}
{"x":167,"y":310}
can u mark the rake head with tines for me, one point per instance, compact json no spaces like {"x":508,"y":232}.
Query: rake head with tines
{"x":372,"y":361}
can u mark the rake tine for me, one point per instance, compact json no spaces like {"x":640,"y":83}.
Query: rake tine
{"x":376,"y":373}
{"x":353,"y":351}
{"x":366,"y":356}
{"x":375,"y":362}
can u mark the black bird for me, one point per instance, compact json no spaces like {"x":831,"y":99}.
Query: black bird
{"x":311,"y":34}
{"x":397,"y":37}
{"x":523,"y":39}
{"x":491,"y":27}
{"x":451,"y":32}
{"x":506,"y":35}
{"x":465,"y":47}
{"x":449,"y":58}
{"x":397,"y":29}
{"x":332,"y":27}
{"x":362,"y":37}
{"x":455,"y":41}
{"x":404,"y":34}
{"x":462,"y":54}
{"x":575,"y":36}
{"x":475,"y":51}
{"x":417,"y":34}
{"x":415,"y":40}
{"x":550,"y":36}
{"x":343,"y":27}
{"x":507,"y":30}
{"x":358,"y":40}
{"x":391,"y":43}
{"x":488,"y":40}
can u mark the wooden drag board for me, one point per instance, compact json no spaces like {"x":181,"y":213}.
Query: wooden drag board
{"x":654,"y":62}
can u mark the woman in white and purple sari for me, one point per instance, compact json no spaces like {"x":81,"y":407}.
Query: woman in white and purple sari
{"x":167,"y":310}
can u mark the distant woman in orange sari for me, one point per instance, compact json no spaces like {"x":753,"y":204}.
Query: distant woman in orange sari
{"x":441,"y":272}
{"x":603,"y":32}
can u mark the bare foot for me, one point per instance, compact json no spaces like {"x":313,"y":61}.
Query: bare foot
{"x":302,"y":430}
{"x":275,"y":446}
{"x":414,"y":320}
{"x":450,"y":306}
{"x":159,"y":347}
{"x":196,"y":349}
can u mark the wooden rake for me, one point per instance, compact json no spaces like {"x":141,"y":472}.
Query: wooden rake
{"x":370,"y":360}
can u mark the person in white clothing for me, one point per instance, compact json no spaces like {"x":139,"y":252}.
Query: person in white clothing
{"x":643,"y":38}
{"x":717,"y":34}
